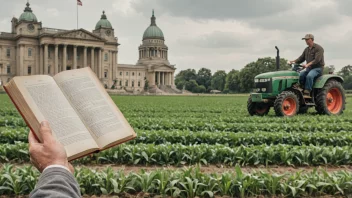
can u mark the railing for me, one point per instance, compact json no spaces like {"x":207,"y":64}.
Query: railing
{"x":6,"y":35}
{"x":51,"y":31}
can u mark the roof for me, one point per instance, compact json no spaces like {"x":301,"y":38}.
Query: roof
{"x":28,"y":15}
{"x":153,"y":31}
{"x":103,"y":22}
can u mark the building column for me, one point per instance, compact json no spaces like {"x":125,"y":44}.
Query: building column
{"x":110,"y":77}
{"x":163,"y":78}
{"x":100,"y":63}
{"x":114,"y":66}
{"x":64,"y":58}
{"x":46,"y":53}
{"x":92,"y":58}
{"x":75,"y":57}
{"x":159,"y":78}
{"x":41,"y":67}
{"x":56,"y":59}
{"x":37,"y":59}
{"x":172,"y":78}
{"x":21,"y":69}
{"x":85,"y":56}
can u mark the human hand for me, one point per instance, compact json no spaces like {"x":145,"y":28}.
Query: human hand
{"x":49,"y":152}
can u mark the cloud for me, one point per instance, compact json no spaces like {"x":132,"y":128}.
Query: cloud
{"x":53,"y":12}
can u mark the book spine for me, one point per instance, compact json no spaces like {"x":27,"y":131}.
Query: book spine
{"x":18,"y":109}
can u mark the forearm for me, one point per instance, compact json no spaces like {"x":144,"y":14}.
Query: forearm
{"x":56,"y":182}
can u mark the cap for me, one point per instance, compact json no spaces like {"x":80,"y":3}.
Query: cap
{"x":308,"y":36}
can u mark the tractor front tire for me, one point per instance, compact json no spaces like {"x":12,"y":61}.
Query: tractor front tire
{"x":286,"y":104}
{"x":331,"y":99}
{"x":259,"y":109}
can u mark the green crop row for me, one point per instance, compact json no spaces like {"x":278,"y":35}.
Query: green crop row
{"x":176,"y":154}
{"x":187,"y":183}
{"x":204,"y":137}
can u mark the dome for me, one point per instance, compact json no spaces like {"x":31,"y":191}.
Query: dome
{"x":28,"y":15}
{"x":153,"y":31}
{"x":103,"y":22}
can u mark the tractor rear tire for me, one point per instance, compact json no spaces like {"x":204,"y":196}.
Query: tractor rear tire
{"x":331,"y":99}
{"x":286,"y":104}
{"x":259,"y":109}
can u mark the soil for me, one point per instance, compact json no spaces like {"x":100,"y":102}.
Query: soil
{"x":215,"y":168}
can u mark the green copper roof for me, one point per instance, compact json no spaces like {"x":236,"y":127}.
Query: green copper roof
{"x":28,"y":15}
{"x":103,"y":23}
{"x":153,"y":31}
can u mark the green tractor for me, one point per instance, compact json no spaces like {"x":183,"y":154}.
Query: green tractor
{"x":282,"y":91}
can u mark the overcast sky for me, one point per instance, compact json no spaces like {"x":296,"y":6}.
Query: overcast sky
{"x":216,"y":34}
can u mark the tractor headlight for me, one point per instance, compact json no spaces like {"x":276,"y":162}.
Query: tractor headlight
{"x":264,"y":80}
{"x":256,"y":80}
{"x":263,"y":89}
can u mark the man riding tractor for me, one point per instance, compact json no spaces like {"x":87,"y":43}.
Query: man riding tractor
{"x":293,"y":92}
{"x":314,"y":56}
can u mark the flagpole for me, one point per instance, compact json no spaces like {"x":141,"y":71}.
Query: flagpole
{"x":77,"y":15}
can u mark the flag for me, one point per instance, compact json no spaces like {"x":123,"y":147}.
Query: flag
{"x":79,"y":2}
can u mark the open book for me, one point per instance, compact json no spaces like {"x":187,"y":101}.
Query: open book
{"x":81,"y":114}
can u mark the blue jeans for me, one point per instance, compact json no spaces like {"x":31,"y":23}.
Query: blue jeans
{"x":308,"y":76}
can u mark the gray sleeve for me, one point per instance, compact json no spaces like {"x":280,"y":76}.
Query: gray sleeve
{"x":56,"y":182}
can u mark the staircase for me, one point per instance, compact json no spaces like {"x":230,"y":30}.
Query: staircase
{"x":170,"y":89}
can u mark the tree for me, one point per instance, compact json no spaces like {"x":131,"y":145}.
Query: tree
{"x":346,"y":71}
{"x":233,"y":81}
{"x":146,"y":84}
{"x":218,"y":80}
{"x":184,"y":76}
{"x":200,"y":89}
{"x":191,"y":85}
{"x":204,"y":77}
{"x":252,"y":69}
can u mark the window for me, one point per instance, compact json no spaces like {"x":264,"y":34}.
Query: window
{"x":8,"y":80}
{"x":29,"y":52}
{"x":139,"y":74}
{"x":106,"y":57}
{"x":49,"y":53}
{"x":78,"y":57}
{"x":8,"y":52}
{"x":105,"y":74}
{"x":29,"y":70}
{"x":126,"y":73}
{"x":120,"y":82}
{"x":49,"y":69}
{"x":126,"y":84}
{"x":68,"y":56}
{"x":132,"y":73}
{"x":8,"y":69}
{"x":120,"y":73}
{"x":132,"y":83}
{"x":139,"y":83}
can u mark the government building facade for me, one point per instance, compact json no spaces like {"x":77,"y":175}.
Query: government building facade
{"x":31,"y":49}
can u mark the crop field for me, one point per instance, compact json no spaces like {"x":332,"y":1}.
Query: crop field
{"x":199,"y":146}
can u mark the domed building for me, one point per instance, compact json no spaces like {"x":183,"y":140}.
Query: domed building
{"x":153,"y":65}
{"x":31,"y":49}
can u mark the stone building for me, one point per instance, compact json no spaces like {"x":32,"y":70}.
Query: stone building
{"x":31,"y":49}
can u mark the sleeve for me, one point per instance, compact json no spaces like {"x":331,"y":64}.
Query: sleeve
{"x":56,"y":182}
{"x":302,"y":58}
{"x":318,"y":55}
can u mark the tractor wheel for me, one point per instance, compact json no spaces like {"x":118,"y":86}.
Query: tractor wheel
{"x":259,"y":109}
{"x":286,"y":104}
{"x":331,"y":99}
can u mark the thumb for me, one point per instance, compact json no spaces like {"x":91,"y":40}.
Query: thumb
{"x":45,"y":132}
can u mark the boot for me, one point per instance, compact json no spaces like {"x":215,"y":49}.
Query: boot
{"x":306,"y":94}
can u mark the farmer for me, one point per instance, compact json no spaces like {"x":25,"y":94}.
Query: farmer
{"x":314,"y":56}
{"x":50,"y":158}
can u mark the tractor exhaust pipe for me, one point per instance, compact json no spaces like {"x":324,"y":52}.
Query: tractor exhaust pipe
{"x":277,"y":59}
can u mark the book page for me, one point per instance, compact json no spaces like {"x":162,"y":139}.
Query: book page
{"x":97,"y":110}
{"x":47,"y":102}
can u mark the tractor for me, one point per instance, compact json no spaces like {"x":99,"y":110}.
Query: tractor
{"x":281,"y":90}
